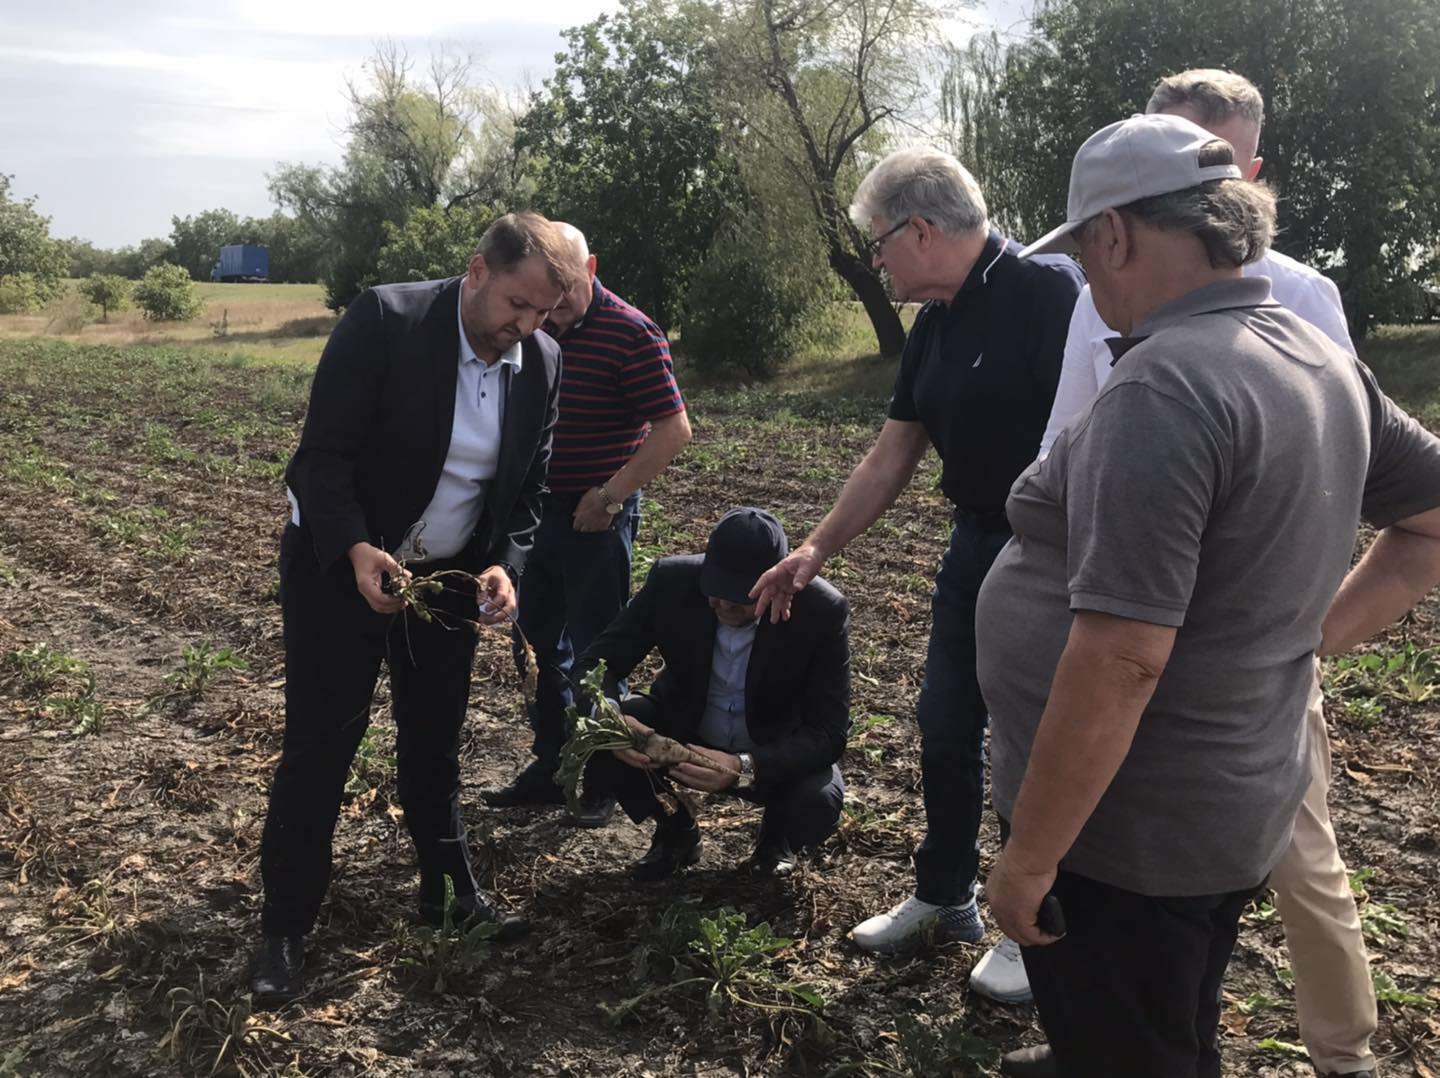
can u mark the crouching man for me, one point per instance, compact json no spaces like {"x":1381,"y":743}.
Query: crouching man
{"x":769,"y":703}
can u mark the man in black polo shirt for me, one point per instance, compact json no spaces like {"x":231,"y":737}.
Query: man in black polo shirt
{"x":976,"y":380}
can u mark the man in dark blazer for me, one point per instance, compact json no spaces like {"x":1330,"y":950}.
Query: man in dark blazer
{"x":425,"y":448}
{"x":769,"y":703}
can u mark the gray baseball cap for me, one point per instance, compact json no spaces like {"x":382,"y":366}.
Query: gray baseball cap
{"x":1141,"y":157}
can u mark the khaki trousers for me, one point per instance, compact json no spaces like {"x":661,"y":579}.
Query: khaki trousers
{"x":1333,"y":993}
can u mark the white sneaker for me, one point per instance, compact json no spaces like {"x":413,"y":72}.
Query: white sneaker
{"x":1000,"y":975}
{"x":914,"y":920}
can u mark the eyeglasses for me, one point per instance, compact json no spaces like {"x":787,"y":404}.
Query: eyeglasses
{"x":873,"y":246}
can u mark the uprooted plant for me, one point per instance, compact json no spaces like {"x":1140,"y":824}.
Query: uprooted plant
{"x":418,"y":593}
{"x":604,"y":728}
{"x":732,"y":967}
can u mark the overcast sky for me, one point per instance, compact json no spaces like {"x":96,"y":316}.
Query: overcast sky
{"x":118,"y":115}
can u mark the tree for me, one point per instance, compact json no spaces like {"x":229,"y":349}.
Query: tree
{"x":195,"y":242}
{"x":135,"y":262}
{"x":414,"y":142}
{"x":432,"y":243}
{"x":31,"y":263}
{"x":106,"y":291}
{"x":1351,"y":138}
{"x":166,"y":294}
{"x":817,"y":86}
{"x":628,"y":144}
{"x":754,"y":303}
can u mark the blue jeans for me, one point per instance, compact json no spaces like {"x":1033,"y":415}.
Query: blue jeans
{"x":574,"y":585}
{"x":952,"y":717}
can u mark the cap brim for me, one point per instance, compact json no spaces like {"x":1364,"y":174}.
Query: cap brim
{"x":720,"y":583}
{"x":1058,"y":241}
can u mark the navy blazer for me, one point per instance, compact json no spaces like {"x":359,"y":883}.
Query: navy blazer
{"x":378,"y":428}
{"x":797,"y":686}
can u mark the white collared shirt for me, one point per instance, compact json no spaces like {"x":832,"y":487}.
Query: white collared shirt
{"x":1088,"y":360}
{"x":472,"y":458}
{"x":722,"y":726}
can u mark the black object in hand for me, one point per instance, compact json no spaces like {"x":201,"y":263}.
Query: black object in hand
{"x":387,"y":585}
{"x":1050,"y":918}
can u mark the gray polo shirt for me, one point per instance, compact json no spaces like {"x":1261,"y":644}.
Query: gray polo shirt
{"x":1215,"y":486}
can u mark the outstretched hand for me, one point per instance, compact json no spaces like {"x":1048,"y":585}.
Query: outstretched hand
{"x":777,"y":587}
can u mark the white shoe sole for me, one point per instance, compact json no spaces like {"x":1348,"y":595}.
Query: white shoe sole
{"x":1009,"y":998}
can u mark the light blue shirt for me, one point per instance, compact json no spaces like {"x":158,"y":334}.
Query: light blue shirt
{"x":472,"y":458}
{"x":722,"y":726}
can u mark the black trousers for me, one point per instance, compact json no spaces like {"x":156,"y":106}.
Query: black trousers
{"x":1134,"y":987}
{"x":952,"y":716}
{"x":802,"y":813}
{"x":334,"y":644}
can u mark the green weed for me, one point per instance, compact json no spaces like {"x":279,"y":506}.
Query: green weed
{"x":448,"y":956}
{"x":200,"y":665}
{"x":1387,"y":991}
{"x":729,"y":965}
{"x":371,"y":766}
{"x":862,"y":741}
{"x":942,"y":1049}
{"x":40,"y":668}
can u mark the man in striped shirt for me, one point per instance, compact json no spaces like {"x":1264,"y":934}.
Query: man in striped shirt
{"x":622,"y":420}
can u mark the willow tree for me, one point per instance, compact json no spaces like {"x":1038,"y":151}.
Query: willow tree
{"x":818,"y":88}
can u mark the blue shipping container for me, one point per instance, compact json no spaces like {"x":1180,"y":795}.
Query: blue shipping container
{"x":244,"y":262}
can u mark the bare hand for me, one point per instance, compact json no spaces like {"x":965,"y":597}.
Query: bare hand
{"x":591,"y":515}
{"x":778,"y":585}
{"x":496,"y":596}
{"x":704,"y":779}
{"x":369,"y":562}
{"x":630,"y":756}
{"x":1015,"y":894}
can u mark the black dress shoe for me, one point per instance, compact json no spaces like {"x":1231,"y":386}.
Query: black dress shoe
{"x":533,"y":786}
{"x":276,"y":976}
{"x":477,"y":907}
{"x":1037,"y":1061}
{"x":671,"y":849}
{"x":771,"y":859}
{"x":595,"y":811}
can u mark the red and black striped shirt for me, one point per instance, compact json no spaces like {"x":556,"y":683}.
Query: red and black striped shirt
{"x":617,"y":378}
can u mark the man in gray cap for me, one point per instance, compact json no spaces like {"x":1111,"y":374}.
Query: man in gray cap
{"x":1198,"y":516}
{"x":1334,"y":996}
{"x":769,"y":703}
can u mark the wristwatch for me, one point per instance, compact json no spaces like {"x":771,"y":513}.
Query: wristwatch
{"x":747,"y":770}
{"x":611,"y":505}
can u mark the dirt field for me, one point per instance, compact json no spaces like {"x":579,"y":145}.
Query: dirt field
{"x":139,"y":516}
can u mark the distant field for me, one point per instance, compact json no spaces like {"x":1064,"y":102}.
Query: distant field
{"x":265,"y":323}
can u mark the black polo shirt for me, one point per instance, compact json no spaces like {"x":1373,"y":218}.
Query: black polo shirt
{"x":979,"y":373}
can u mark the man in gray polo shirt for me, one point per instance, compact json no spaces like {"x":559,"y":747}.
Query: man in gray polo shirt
{"x":1147,"y":640}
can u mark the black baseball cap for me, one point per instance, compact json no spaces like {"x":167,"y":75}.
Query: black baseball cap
{"x":743,"y":545}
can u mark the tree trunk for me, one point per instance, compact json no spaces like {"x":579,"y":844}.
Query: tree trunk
{"x":870,"y":291}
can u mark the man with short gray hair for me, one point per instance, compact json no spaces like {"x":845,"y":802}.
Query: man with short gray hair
{"x":1334,"y":996}
{"x":976,"y":380}
{"x":1198,"y":516}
